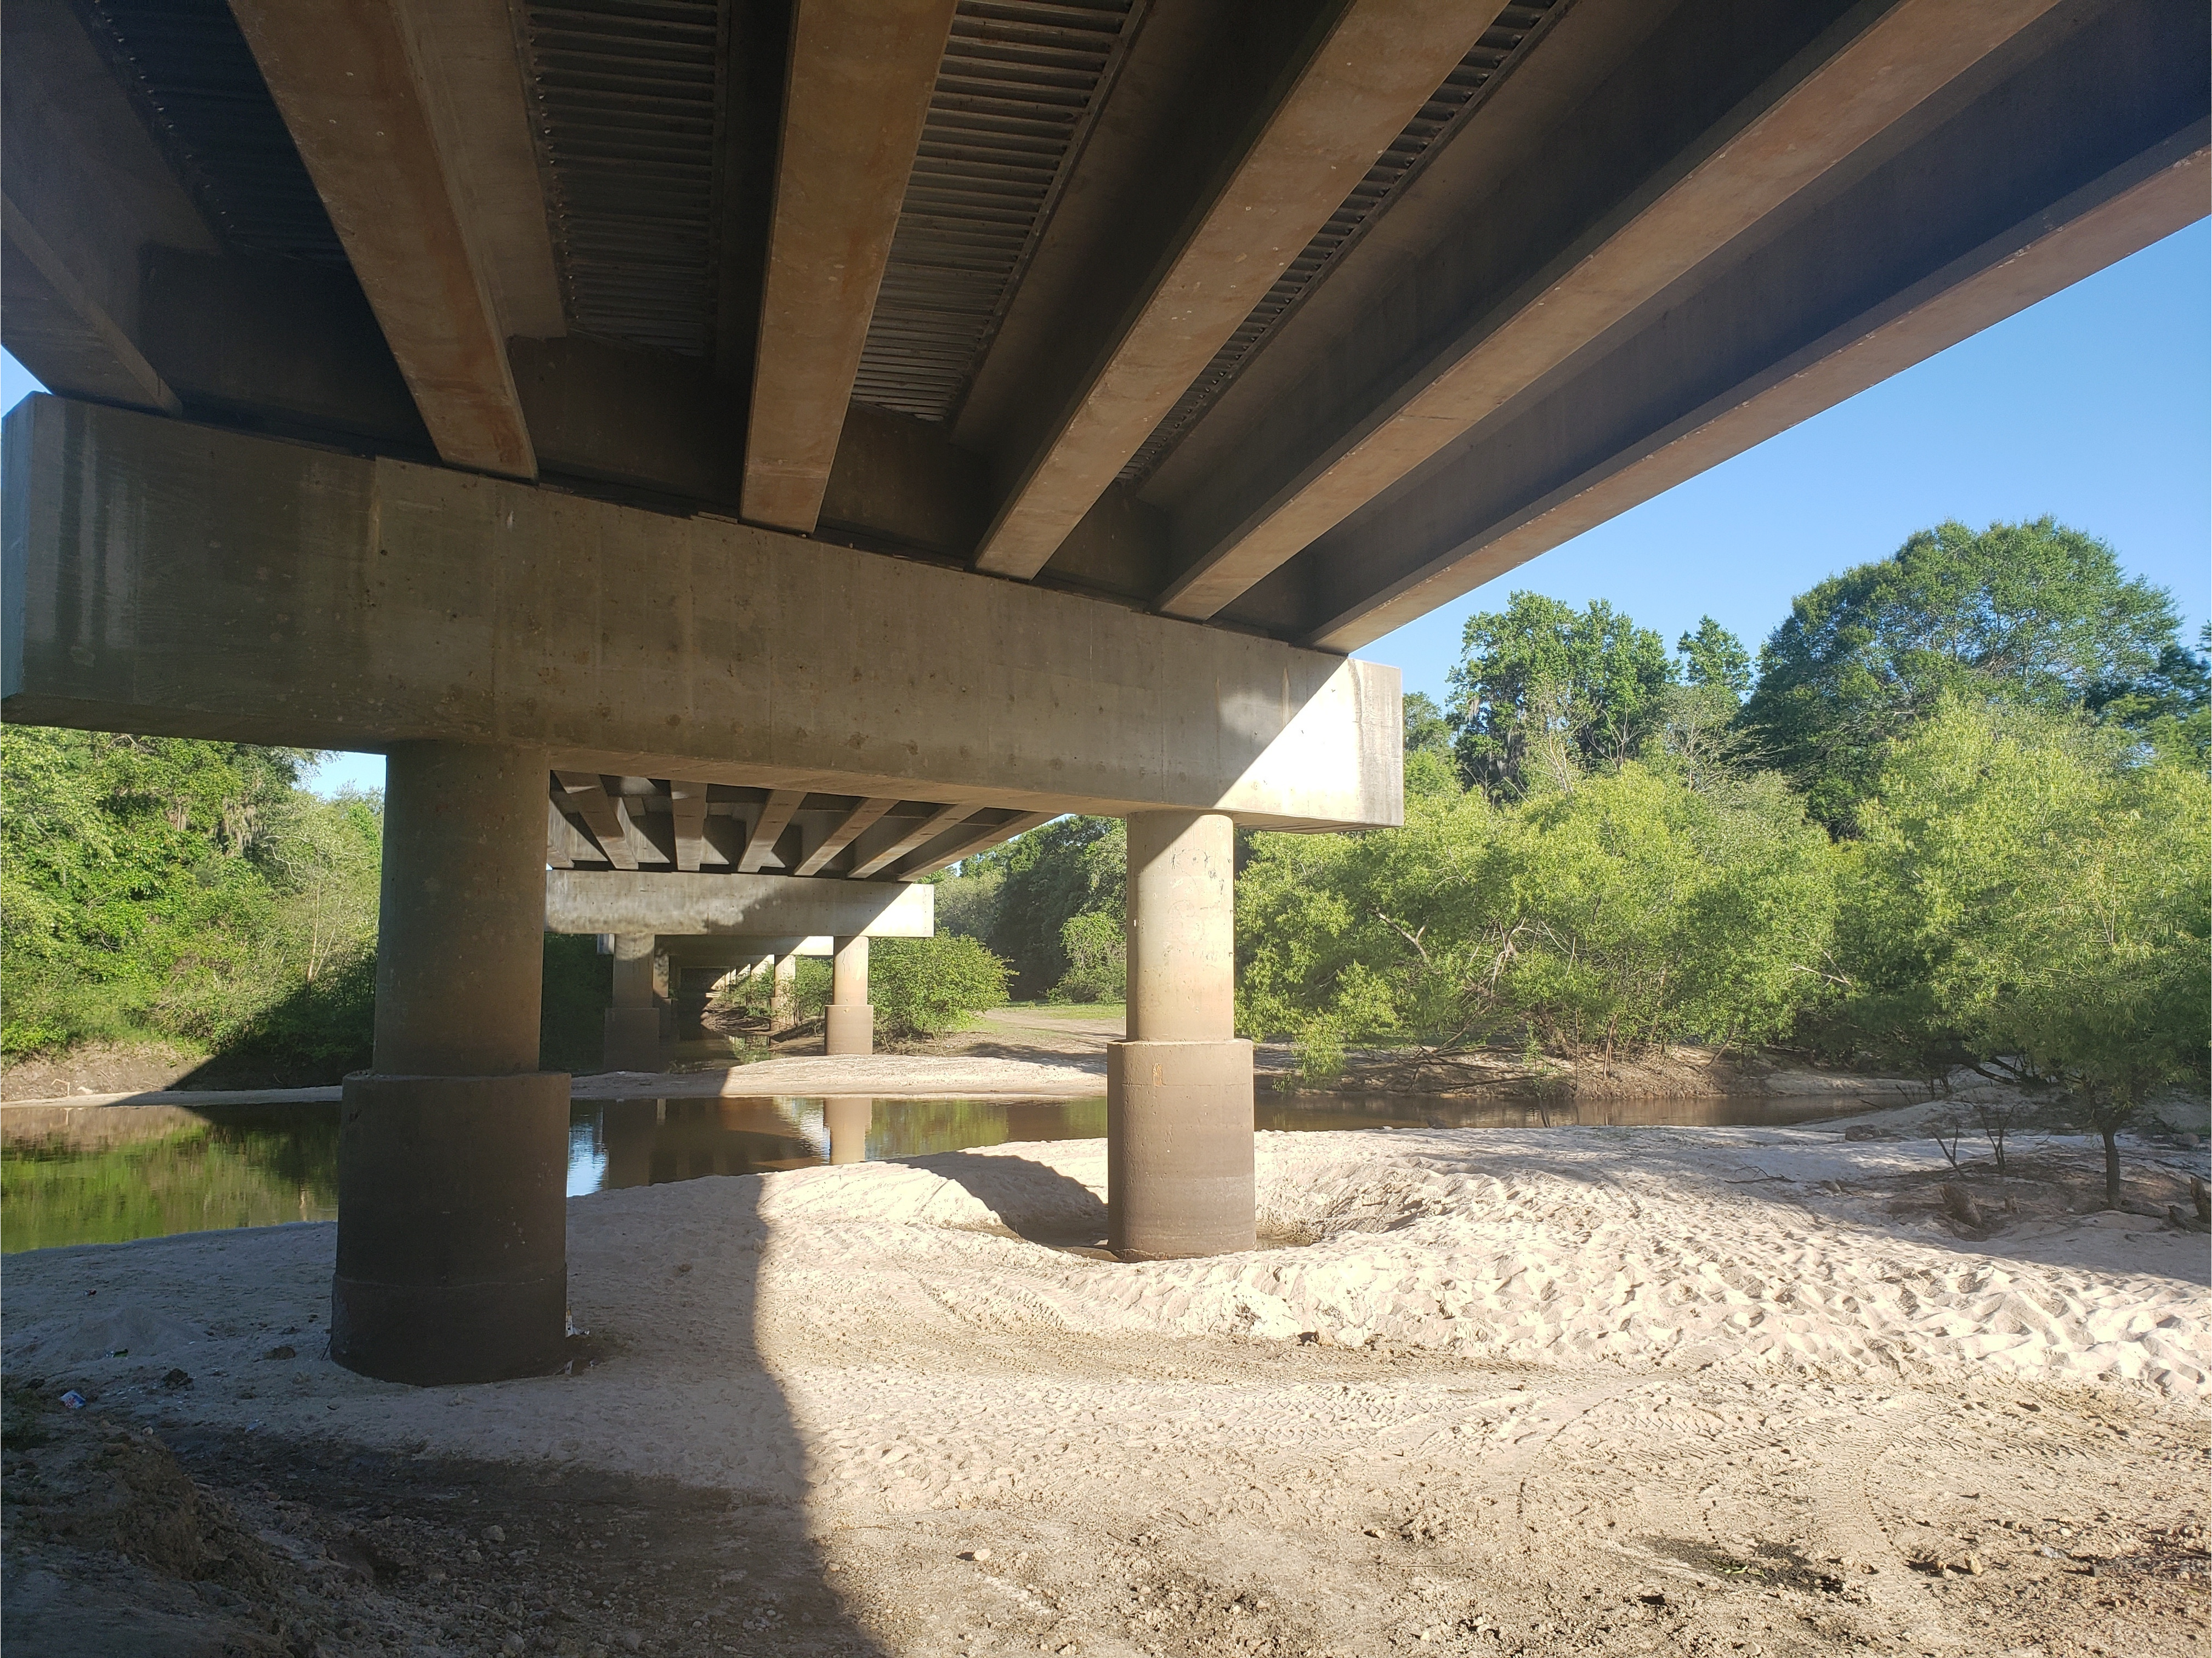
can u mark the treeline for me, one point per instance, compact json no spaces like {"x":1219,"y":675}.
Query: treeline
{"x":193,"y":893}
{"x":1050,"y":903}
{"x":1954,"y":812}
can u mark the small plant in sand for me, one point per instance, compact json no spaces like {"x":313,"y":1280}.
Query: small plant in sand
{"x":1996,"y":1119}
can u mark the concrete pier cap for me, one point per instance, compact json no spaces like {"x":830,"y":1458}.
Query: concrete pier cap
{"x":707,"y":920}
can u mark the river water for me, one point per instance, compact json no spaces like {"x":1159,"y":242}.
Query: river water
{"x":108,"y":1175}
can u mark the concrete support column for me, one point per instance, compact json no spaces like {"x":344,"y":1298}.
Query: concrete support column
{"x":847,"y":1121}
{"x":783,"y":995}
{"x":1179,"y":1090}
{"x":452,"y":1147}
{"x":633,"y":1027}
{"x":852,"y":1017}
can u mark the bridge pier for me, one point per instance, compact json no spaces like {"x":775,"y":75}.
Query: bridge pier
{"x":1179,"y":1166}
{"x":633,"y":1023}
{"x":851,"y":1019}
{"x":847,"y":1120}
{"x":783,"y":994}
{"x":452,"y":1224}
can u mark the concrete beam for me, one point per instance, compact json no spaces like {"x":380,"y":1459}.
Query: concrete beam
{"x":117,"y":289}
{"x":346,"y":79}
{"x":86,"y":189}
{"x":57,"y":323}
{"x":855,"y":97}
{"x":1861,"y":77}
{"x":687,"y":804}
{"x":471,"y":77}
{"x":932,"y":858}
{"x":1365,"y":72}
{"x":774,"y":818}
{"x":920,"y":836}
{"x":751,"y":906}
{"x":2087,"y":147}
{"x":587,"y":797}
{"x":278,"y":345}
{"x":860,"y":818}
{"x":172,"y":579}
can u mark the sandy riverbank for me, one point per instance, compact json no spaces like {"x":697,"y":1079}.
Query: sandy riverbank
{"x":1060,"y":1054}
{"x":1586,"y":1391}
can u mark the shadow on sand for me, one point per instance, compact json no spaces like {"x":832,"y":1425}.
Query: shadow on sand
{"x":1037,"y":1202}
{"x":369,"y":1537}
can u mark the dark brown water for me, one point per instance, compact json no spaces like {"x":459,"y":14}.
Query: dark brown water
{"x":105,"y":1174}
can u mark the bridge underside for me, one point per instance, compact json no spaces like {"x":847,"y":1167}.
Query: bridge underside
{"x":716,"y":438}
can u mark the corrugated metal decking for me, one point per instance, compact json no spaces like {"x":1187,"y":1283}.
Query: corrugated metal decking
{"x":626,"y":94}
{"x":1019,"y":82}
{"x":189,"y":70}
{"x":1502,"y":46}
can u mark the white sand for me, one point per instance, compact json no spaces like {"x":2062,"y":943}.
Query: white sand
{"x":1743,"y":1249}
{"x":1598,"y":1355}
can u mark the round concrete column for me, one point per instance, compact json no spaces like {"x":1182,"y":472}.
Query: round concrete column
{"x":851,"y":1017}
{"x":783,"y":994}
{"x":633,"y":1026}
{"x":452,"y":1148}
{"x":847,"y":1121}
{"x":1179,"y":1089}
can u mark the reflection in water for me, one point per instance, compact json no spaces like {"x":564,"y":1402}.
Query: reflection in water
{"x":107,"y":1174}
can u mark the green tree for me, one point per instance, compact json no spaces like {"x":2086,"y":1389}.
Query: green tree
{"x":1714,"y":656}
{"x":1427,"y":730}
{"x":2034,"y":614}
{"x":968,"y":898}
{"x":140,"y":897}
{"x":1539,"y":684}
{"x":2031,"y":891}
{"x":186,"y":892}
{"x":1067,"y":867}
{"x":1097,"y":946}
{"x":328,"y":854}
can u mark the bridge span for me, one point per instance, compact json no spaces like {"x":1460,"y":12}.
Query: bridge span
{"x":713,"y":441}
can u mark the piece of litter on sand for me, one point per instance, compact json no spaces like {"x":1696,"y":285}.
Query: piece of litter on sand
{"x":74,"y":1399}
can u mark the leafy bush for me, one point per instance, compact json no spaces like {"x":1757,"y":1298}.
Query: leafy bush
{"x":1630,"y":910}
{"x":921,"y":986}
{"x":1098,"y":947}
{"x":186,"y":892}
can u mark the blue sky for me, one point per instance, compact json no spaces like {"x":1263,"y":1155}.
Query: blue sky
{"x":2095,"y":406}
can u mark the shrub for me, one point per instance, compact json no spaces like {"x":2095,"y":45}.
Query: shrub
{"x":924,"y":986}
{"x":1097,"y":946}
